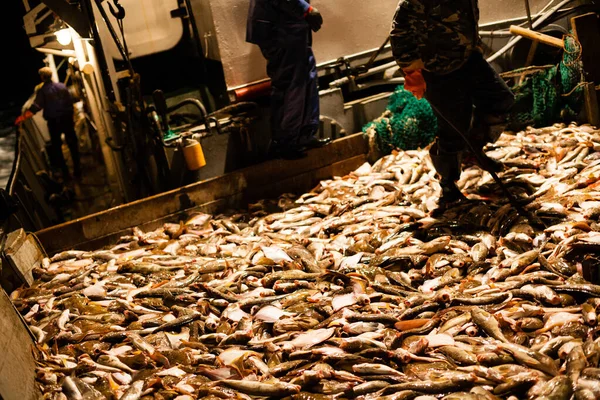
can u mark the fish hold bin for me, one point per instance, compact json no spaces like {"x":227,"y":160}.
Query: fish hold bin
{"x":351,"y":290}
{"x":265,"y":180}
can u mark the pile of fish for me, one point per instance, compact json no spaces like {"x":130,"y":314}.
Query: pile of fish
{"x":351,"y":291}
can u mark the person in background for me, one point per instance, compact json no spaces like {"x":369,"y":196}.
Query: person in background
{"x":282,"y":30}
{"x":56,"y":102}
{"x":436,"y":43}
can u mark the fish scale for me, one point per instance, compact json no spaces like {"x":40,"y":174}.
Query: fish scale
{"x":350,"y":291}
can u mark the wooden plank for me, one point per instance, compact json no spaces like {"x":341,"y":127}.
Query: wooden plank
{"x":296,"y":184}
{"x":302,"y":183}
{"x":98,"y":227}
{"x":586,"y":29}
{"x":110,"y":238}
{"x":138,"y":212}
{"x":591,"y":104}
{"x":537,"y":36}
{"x":23,"y":254}
{"x":278,"y":170}
{"x":17,"y":365}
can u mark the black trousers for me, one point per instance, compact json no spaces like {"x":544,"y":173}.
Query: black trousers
{"x":56,"y":127}
{"x":472,"y":95}
{"x":292,"y":68}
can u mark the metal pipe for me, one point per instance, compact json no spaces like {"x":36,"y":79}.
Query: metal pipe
{"x":371,"y":61}
{"x":95,"y":95}
{"x":12,"y":178}
{"x":528,"y":11}
{"x":88,"y":10}
{"x":196,"y":103}
{"x":333,"y":63}
{"x":500,"y":33}
{"x":393,"y":81}
{"x":320,"y":66}
{"x":372,"y":71}
{"x":61,"y":53}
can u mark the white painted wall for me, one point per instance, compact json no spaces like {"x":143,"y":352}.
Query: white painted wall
{"x":148,"y":25}
{"x":350,"y":27}
{"x":496,"y":10}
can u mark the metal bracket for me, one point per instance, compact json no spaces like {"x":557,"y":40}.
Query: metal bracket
{"x":180,"y":12}
{"x":117,"y":11}
{"x":71,"y":14}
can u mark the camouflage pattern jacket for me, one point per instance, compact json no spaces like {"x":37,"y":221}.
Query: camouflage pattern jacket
{"x":442,"y":33}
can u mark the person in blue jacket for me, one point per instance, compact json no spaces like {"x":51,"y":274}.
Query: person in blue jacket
{"x":57,"y":102}
{"x":282,"y":30}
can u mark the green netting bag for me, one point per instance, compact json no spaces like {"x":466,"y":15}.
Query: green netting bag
{"x":407,"y":123}
{"x":550,"y":93}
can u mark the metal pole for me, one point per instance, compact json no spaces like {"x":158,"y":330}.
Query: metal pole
{"x":114,"y":36}
{"x":528,"y":10}
{"x":60,"y":53}
{"x":52,"y":65}
{"x":534,"y":44}
{"x":100,"y":56}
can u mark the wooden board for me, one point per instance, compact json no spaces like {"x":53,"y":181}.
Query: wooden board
{"x":586,"y":28}
{"x":591,"y":104}
{"x":17,"y":365}
{"x":23,"y":254}
{"x":214,"y":195}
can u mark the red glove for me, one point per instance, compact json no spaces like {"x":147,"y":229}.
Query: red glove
{"x":22,"y":118}
{"x":415,"y":83}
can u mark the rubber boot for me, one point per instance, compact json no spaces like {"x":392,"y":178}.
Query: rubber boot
{"x":309,"y":140}
{"x":482,"y":134}
{"x":448,"y":167}
{"x":284,"y":150}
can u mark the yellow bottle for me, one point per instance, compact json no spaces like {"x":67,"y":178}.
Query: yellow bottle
{"x":193,"y":154}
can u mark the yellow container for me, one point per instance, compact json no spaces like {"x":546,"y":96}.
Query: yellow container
{"x":194,"y":156}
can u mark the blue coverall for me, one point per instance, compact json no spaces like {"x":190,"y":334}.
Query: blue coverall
{"x":279,"y":28}
{"x":56,"y":101}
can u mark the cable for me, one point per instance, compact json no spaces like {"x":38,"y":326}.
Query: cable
{"x":122,"y":29}
{"x":10,"y":186}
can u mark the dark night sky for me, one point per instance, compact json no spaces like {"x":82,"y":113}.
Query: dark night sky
{"x":19,"y":61}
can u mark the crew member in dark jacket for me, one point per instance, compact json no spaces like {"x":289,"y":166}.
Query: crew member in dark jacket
{"x":56,"y":101}
{"x":437,"y":45}
{"x":282,"y":30}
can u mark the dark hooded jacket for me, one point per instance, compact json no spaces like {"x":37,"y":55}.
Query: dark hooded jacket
{"x":442,"y":33}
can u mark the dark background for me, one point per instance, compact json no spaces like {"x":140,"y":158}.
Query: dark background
{"x":20,"y":62}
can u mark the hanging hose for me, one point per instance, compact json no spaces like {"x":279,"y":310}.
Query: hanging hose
{"x":537,"y":23}
{"x":12,"y":178}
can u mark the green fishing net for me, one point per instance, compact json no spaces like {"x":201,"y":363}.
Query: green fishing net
{"x":407,"y":123}
{"x":545,"y":95}
{"x":550,"y":93}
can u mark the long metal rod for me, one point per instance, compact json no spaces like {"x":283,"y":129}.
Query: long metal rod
{"x":114,"y":36}
{"x":12,"y":178}
{"x":88,"y":9}
{"x":534,"y":43}
{"x":60,"y":53}
{"x":369,"y":63}
{"x":528,"y":10}
{"x":479,"y":156}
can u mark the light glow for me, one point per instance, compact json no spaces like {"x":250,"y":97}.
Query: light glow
{"x":63,"y":36}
